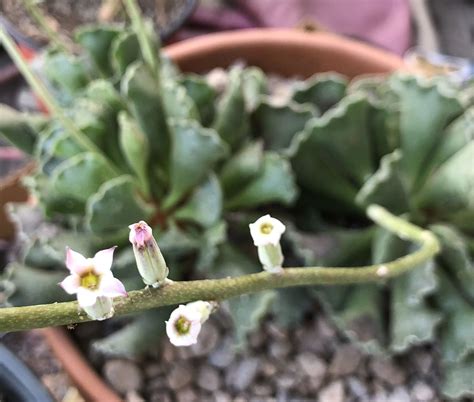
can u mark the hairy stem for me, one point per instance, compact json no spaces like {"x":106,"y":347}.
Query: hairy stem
{"x":22,"y":318}
{"x":39,"y":17}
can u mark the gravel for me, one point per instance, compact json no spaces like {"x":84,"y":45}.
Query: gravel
{"x":311,"y":363}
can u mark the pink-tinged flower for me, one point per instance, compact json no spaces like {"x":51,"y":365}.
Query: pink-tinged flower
{"x":150,"y":262}
{"x":186,"y":321}
{"x":91,"y":278}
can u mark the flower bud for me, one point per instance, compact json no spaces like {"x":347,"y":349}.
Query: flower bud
{"x":150,"y":262}
{"x":102,"y":309}
{"x":266,"y":233}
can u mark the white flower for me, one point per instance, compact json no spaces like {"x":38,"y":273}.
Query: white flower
{"x":266,"y":230}
{"x":150,"y":262}
{"x":91,"y":278}
{"x":186,"y":321}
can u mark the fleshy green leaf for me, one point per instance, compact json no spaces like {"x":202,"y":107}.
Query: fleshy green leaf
{"x":212,"y":238}
{"x":385,"y":186}
{"x":177,"y":103}
{"x":20,"y":129}
{"x":97,"y":41}
{"x":455,"y":257}
{"x":134,"y":146}
{"x":321,"y":90}
{"x":424,"y":112}
{"x":104,"y":92}
{"x":204,"y":205}
{"x":241,"y":168}
{"x":254,"y":85}
{"x":291,"y":305}
{"x":449,"y":192}
{"x":124,"y":51}
{"x":412,"y":320}
{"x":116,"y":205}
{"x":194,"y":152}
{"x":137,"y":337}
{"x":143,"y":94}
{"x":67,"y":72}
{"x":277,"y":125}
{"x":81,"y":176}
{"x":458,"y":379}
{"x":203,"y":96}
{"x":247,"y":312}
{"x":275,"y":183}
{"x":232,"y":120}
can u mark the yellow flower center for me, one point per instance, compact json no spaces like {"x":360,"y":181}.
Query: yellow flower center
{"x":182,"y":325}
{"x":266,"y":228}
{"x":90,"y":281}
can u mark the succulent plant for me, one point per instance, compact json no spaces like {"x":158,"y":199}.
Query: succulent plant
{"x":139,"y":140}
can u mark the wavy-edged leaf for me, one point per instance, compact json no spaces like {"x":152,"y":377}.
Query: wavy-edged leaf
{"x":97,"y":41}
{"x":275,"y":183}
{"x":204,"y":206}
{"x":425,"y":110}
{"x":291,"y":305}
{"x":247,"y":312}
{"x":142,"y":91}
{"x":35,"y":286}
{"x":322,"y":90}
{"x":455,"y":258}
{"x":143,"y":333}
{"x":385,"y":187}
{"x":116,"y":205}
{"x":81,"y":176}
{"x":449,"y":192}
{"x":241,"y":168}
{"x":232,"y":121}
{"x":124,"y":51}
{"x":104,"y":92}
{"x":277,"y":125}
{"x":412,"y":319}
{"x":194,"y":152}
{"x":177,"y":103}
{"x":212,"y":238}
{"x":20,"y":129}
{"x":203,"y":96}
{"x":457,"y":382}
{"x":254,"y":85}
{"x":134,"y":146}
{"x":66,"y":72}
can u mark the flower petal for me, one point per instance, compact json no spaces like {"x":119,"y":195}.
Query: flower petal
{"x":71,"y":284}
{"x":76,"y":262}
{"x":86,"y":297}
{"x":111,"y":287}
{"x":103,"y":260}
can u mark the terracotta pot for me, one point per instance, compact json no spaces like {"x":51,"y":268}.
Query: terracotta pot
{"x":282,"y":51}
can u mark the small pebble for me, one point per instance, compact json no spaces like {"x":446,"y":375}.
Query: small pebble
{"x":421,"y":392}
{"x":242,"y":373}
{"x":312,"y":365}
{"x":123,"y":375}
{"x":180,"y":375}
{"x":387,"y":371}
{"x":345,"y":360}
{"x":399,"y":394}
{"x":187,"y":395}
{"x":223,"y":355}
{"x":208,"y":378}
{"x":357,"y":388}
{"x":334,"y":392}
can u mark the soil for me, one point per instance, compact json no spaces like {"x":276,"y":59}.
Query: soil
{"x":65,"y":15}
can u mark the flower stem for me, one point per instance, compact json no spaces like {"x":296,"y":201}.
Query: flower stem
{"x":39,"y":17}
{"x":22,"y":318}
{"x":43,"y":93}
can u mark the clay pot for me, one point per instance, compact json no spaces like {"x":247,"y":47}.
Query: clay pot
{"x":282,"y":51}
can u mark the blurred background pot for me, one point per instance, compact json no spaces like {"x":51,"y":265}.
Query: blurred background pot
{"x":286,"y":52}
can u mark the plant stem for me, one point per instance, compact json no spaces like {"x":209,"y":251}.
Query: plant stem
{"x":22,"y":318}
{"x":39,"y":17}
{"x":43,"y":93}
{"x":139,"y":27}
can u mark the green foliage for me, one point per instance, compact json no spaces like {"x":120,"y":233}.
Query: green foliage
{"x":199,"y":164}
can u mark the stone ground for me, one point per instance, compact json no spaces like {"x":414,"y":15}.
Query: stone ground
{"x":310,"y":363}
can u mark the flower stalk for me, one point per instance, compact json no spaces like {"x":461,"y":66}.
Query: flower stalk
{"x":23,"y":318}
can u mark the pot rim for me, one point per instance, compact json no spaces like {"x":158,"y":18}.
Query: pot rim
{"x":200,"y":54}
